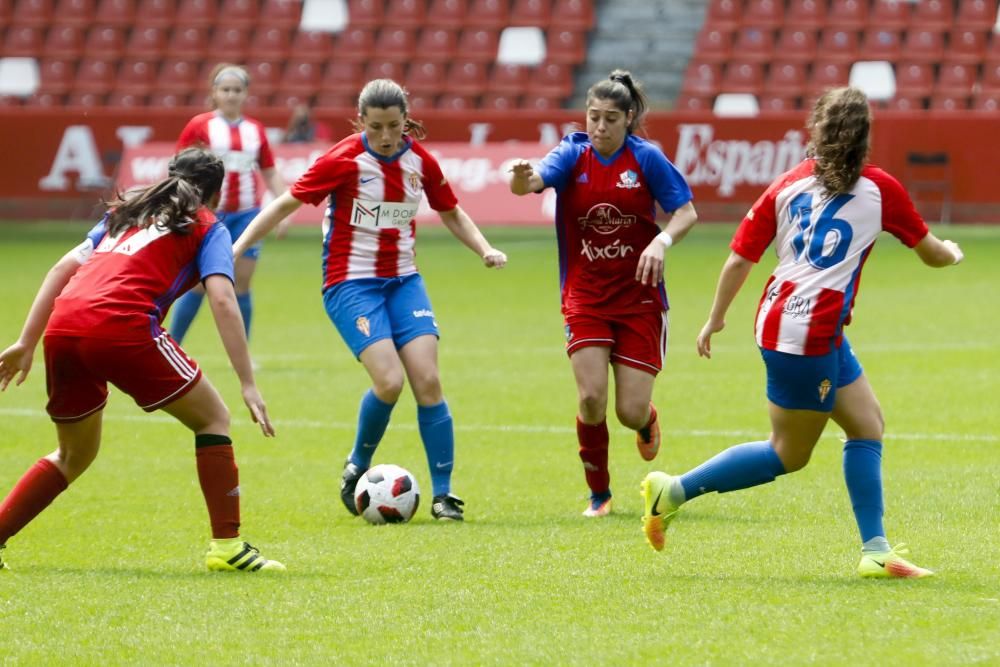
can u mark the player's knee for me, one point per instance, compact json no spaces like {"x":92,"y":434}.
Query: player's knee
{"x":427,"y":389}
{"x":632,"y":415}
{"x":792,"y":458}
{"x":592,"y":405}
{"x":388,"y":387}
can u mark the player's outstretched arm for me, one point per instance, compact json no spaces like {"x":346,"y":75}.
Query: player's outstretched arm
{"x":277,"y":210}
{"x":17,"y":359}
{"x":734,"y":274}
{"x":937,"y":253}
{"x":229,"y":322}
{"x":525,"y":179}
{"x":465,"y":230}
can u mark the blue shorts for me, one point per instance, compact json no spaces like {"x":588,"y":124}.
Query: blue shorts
{"x":366,"y":310}
{"x":237,"y":223}
{"x":799,"y":382}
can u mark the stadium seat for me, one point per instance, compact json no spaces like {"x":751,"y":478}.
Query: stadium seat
{"x":924,"y":45}
{"x":510,"y":80}
{"x":491,"y":14}
{"x":405,"y":13}
{"x":45,"y":100}
{"x":162,"y":99}
{"x":56,"y":75}
{"x":287,"y":100}
{"x":355,"y":44}
{"x":342,"y":77}
{"x":146,"y":42}
{"x":301,"y":77}
{"x":326,"y":15}
{"x":933,"y":14}
{"x":19,"y":77}
{"x":537,"y":13}
{"x":312,"y":45}
{"x":229,"y":45}
{"x":178,"y":75}
{"x":763,"y":13}
{"x":540,"y":101}
{"x":907,"y":103}
{"x":796,"y":44}
{"x":724,"y":14}
{"x":335,"y":100}
{"x":6,"y":11}
{"x":24,"y":41}
{"x":988,"y":101}
{"x":426,"y":77}
{"x":252,"y":103}
{"x":524,"y":45}
{"x":385,"y":69}
{"x":786,"y":78}
{"x":914,"y":79}
{"x":115,"y":12}
{"x":573,"y":14}
{"x":499,"y":101}
{"x":264,"y":76}
{"x":280,"y":13}
{"x":94,"y":75}
{"x":777,"y":103}
{"x":466,"y":78}
{"x":956,"y":79}
{"x":949,"y":102}
{"x":875,"y":78}
{"x":196,"y":12}
{"x":155,"y":12}
{"x":551,"y":79}
{"x":85,"y":99}
{"x":446,"y":14}
{"x":399,"y":44}
{"x":847,"y":14}
{"x":695,"y":103}
{"x":64,"y":41}
{"x":271,"y":42}
{"x":190,"y":42}
{"x":105,"y":42}
{"x":135,"y":75}
{"x":702,"y":79}
{"x":437,"y":44}
{"x":566,"y":46}
{"x":478,"y":44}
{"x":753,"y":43}
{"x":890,"y":14}
{"x":32,"y":13}
{"x":74,"y":12}
{"x":743,"y":77}
{"x":713,"y":45}
{"x":991,"y":77}
{"x":881,"y":44}
{"x":456,"y":102}
{"x":126,"y":99}
{"x":420,"y":103}
{"x":239,"y":13}
{"x":966,"y":45}
{"x":805,"y":14}
{"x":976,"y":14}
{"x":736,"y":105}
{"x":840,"y":44}
{"x":829,"y":74}
{"x":365,"y":14}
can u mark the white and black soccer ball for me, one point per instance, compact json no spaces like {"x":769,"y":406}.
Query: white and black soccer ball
{"x":387,"y":494}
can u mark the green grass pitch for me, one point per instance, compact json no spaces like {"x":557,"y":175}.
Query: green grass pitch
{"x":113,"y":572}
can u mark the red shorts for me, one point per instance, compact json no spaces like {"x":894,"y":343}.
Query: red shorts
{"x":77,"y":371}
{"x":638,"y":340}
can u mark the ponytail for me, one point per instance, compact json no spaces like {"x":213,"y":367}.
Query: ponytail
{"x":625,"y":92}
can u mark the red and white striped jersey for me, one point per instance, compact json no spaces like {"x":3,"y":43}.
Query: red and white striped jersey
{"x":822,"y":243}
{"x":369,"y":229}
{"x":243,"y":148}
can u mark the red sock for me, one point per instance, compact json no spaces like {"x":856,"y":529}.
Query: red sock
{"x":220,"y":484}
{"x":594,"y":454}
{"x":36,"y":489}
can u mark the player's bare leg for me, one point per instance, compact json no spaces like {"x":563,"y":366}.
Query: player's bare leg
{"x":633,"y":405}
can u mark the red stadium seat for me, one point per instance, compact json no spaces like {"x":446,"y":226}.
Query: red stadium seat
{"x":713,"y":45}
{"x":64,"y":41}
{"x":566,"y":46}
{"x":420,"y":103}
{"x":190,"y":42}
{"x":991,"y":76}
{"x":342,"y":77}
{"x":253,"y":102}
{"x":437,"y":44}
{"x":94,"y":75}
{"x":301,"y":77}
{"x":355,"y":44}
{"x":847,"y":14}
{"x":988,"y":101}
{"x":490,"y":14}
{"x":839,"y":44}
{"x":976,"y":14}
{"x":196,"y":12}
{"x":510,"y":80}
{"x":147,"y":42}
{"x":763,"y":13}
{"x":936,"y":14}
{"x":829,"y":74}
{"x":405,"y":13}
{"x":541,"y":101}
{"x":478,"y":44}
{"x":161,"y":99}
{"x":743,"y":77}
{"x":924,"y":45}
{"x":907,"y":103}
{"x":179,"y":76}
{"x":967,"y":45}
{"x":890,"y":14}
{"x":6,"y":11}
{"x":466,"y":78}
{"x":777,"y":103}
{"x":105,"y":42}
{"x":229,"y":45}
{"x":156,"y":12}
{"x":573,"y":14}
{"x":126,"y":99}
{"x":74,"y":12}
{"x":312,"y":45}
{"x":56,"y":75}
{"x":956,"y":79}
{"x":914,"y":79}
{"x":135,"y":75}
{"x":949,"y":102}
{"x":270,"y":42}
{"x":85,"y":99}
{"x":365,"y":14}
{"x":264,"y":76}
{"x":398,"y":44}
{"x":880,"y":44}
{"x":499,"y":101}
{"x":724,"y":14}
{"x":115,"y":12}
{"x":289,"y":99}
{"x":753,"y":43}
{"x":796,"y":44}
{"x":456,"y":102}
{"x":787,"y":78}
{"x":45,"y":100}
{"x":335,"y":100}
{"x":531,"y":13}
{"x":702,"y":79}
{"x":24,"y":41}
{"x":426,"y":77}
{"x":806,"y":14}
{"x":32,"y":13}
{"x":385,"y":69}
{"x":695,"y":103}
{"x":281,"y":13}
{"x":552,"y":79}
{"x":239,"y":13}
{"x":446,"y":14}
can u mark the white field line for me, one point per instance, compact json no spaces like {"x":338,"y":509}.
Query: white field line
{"x":28,"y":413}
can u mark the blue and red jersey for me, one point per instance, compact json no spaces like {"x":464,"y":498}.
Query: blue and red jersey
{"x":605,"y":218}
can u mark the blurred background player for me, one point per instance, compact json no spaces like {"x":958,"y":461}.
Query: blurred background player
{"x":101,"y":307}
{"x":374,"y":181}
{"x":614,"y":300}
{"x":824,"y":216}
{"x":242,"y":144}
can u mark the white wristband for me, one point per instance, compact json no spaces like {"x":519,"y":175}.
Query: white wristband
{"x":666,"y":239}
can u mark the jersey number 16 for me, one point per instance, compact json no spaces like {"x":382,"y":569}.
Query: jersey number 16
{"x":813,"y":235}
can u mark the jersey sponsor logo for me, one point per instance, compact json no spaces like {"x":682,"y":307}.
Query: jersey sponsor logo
{"x":423,"y":312}
{"x":824,"y":389}
{"x":364,"y":326}
{"x":368,"y":180}
{"x":383,"y":214}
{"x":628,"y":179}
{"x":134,"y":243}
{"x":238,"y":161}
{"x":605,"y":219}
{"x":797,"y":306}
{"x":612,"y":251}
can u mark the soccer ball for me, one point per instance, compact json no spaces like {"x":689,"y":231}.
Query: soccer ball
{"x":387,"y":494}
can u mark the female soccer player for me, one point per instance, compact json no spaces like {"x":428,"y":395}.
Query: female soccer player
{"x":373,"y":294}
{"x":242,"y":144}
{"x":101,"y":308}
{"x":824,"y":216}
{"x":614,"y":301}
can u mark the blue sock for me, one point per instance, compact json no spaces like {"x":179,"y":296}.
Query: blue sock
{"x":373,"y":418}
{"x":863,"y":474}
{"x":245,"y":302}
{"x":739,"y":467}
{"x":185,"y":308}
{"x":438,"y":434}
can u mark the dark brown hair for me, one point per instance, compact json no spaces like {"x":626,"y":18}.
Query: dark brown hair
{"x":625,"y":92}
{"x":839,"y":138}
{"x":194,"y":178}
{"x":383,"y":94}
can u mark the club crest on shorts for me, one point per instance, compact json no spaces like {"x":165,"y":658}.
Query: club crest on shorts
{"x":569,"y":334}
{"x":824,"y":389}
{"x":363,"y":325}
